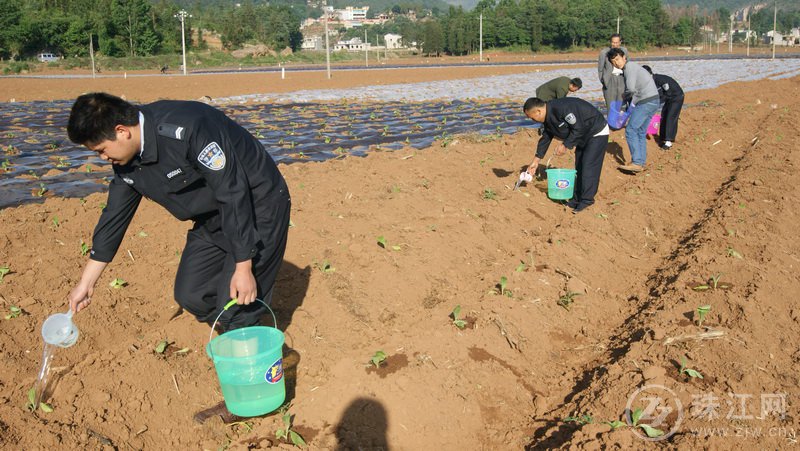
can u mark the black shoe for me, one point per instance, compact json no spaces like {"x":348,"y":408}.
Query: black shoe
{"x":572,"y":204}
{"x":580,"y":208}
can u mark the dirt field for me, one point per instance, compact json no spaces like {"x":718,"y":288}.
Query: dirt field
{"x":526,"y":372}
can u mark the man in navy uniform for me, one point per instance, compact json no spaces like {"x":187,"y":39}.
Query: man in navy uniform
{"x":670,"y":94}
{"x":581,"y":127}
{"x":200,"y":165}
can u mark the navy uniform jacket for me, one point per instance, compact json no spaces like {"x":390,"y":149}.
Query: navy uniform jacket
{"x":668,"y":88}
{"x":199,"y":165}
{"x":571,"y":119}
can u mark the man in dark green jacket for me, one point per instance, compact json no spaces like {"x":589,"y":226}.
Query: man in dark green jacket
{"x":558,"y":88}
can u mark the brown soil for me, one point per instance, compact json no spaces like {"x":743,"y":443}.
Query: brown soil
{"x":527,"y":366}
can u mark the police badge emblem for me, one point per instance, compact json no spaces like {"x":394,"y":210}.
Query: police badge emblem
{"x":212,"y":157}
{"x":570,"y":118}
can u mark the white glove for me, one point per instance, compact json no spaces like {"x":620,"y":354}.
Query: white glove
{"x":525,"y":177}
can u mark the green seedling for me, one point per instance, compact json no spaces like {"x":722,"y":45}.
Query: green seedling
{"x":118,"y":283}
{"x":395,"y":189}
{"x":460,"y":323}
{"x":56,"y":222}
{"x":382,"y":241}
{"x":325,"y":267}
{"x":31,"y":406}
{"x":102,"y":205}
{"x":689,"y":371}
{"x":3,"y":271}
{"x":161,"y":347}
{"x":287,"y":433}
{"x":489,"y":194}
{"x":733,"y":253}
{"x":616,"y":424}
{"x":521,"y":267}
{"x":580,"y":419}
{"x":701,"y":287}
{"x":84,"y":248}
{"x":13,"y":312}
{"x":502,"y":288}
{"x":649,"y":430}
{"x":378,"y":358}
{"x":40,"y":191}
{"x":143,"y":234}
{"x":702,"y":311}
{"x":6,"y":166}
{"x":567,"y":300}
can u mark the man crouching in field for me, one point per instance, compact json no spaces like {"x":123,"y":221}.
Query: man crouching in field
{"x":581,"y":126}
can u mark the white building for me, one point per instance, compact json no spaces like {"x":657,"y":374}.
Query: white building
{"x":353,"y":45}
{"x":353,"y":14}
{"x":313,"y":43}
{"x":393,"y":41}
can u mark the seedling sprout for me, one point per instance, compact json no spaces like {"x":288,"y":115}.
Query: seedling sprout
{"x":3,"y":271}
{"x":688,"y":371}
{"x":460,"y":323}
{"x":567,"y":300}
{"x":118,"y":283}
{"x":14,"y":312}
{"x":651,"y":432}
{"x":702,"y":311}
{"x":378,"y":358}
{"x":287,"y":433}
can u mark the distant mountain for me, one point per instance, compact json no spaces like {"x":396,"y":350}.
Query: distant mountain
{"x":731,"y":5}
{"x":467,"y":4}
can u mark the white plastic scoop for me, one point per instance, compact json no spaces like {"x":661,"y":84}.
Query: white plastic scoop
{"x":59,"y":330}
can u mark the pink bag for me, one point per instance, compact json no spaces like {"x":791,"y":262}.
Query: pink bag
{"x":655,"y":124}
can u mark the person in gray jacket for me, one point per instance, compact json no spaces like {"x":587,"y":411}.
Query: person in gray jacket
{"x":610,"y":77}
{"x":642,"y":94}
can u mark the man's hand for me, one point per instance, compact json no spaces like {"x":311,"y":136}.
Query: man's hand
{"x":532,"y":168}
{"x":560,"y":149}
{"x":243,"y":284}
{"x":81,"y":296}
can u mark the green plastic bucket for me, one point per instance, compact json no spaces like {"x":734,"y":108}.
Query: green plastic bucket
{"x":560,"y":183}
{"x":249,"y":365}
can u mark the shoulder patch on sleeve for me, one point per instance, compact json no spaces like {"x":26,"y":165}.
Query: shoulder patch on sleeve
{"x":172,"y":131}
{"x":570,"y":119}
{"x":212,"y":157}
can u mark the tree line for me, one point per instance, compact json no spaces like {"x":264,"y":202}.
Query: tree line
{"x":144,"y":27}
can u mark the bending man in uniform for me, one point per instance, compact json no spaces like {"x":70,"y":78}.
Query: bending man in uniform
{"x":670,"y":94}
{"x":558,"y":88}
{"x":581,"y":126}
{"x":611,"y":77}
{"x":200,"y":165}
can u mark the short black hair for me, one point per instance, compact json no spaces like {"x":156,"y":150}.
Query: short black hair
{"x":615,"y":35}
{"x":577,"y":82}
{"x":531,"y":103}
{"x":95,"y":115}
{"x":647,"y":68}
{"x":613,"y":53}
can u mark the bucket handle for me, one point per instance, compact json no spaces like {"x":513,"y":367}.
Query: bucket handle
{"x":230,"y":304}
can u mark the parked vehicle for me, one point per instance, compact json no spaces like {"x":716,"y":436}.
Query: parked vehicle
{"x":47,"y":57}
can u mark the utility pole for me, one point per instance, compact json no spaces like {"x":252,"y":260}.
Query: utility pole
{"x":774,"y":29}
{"x":730,"y":37}
{"x":182,"y":15}
{"x":480,"y":40}
{"x":91,"y":53}
{"x":327,"y":47}
{"x":618,"y":19}
{"x":748,"y":35}
{"x":366,"y":48}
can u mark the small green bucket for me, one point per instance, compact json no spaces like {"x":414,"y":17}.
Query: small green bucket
{"x":560,"y":183}
{"x":249,"y":364}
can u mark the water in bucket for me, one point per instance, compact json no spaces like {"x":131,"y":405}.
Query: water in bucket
{"x":560,"y":183}
{"x":249,"y":365}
